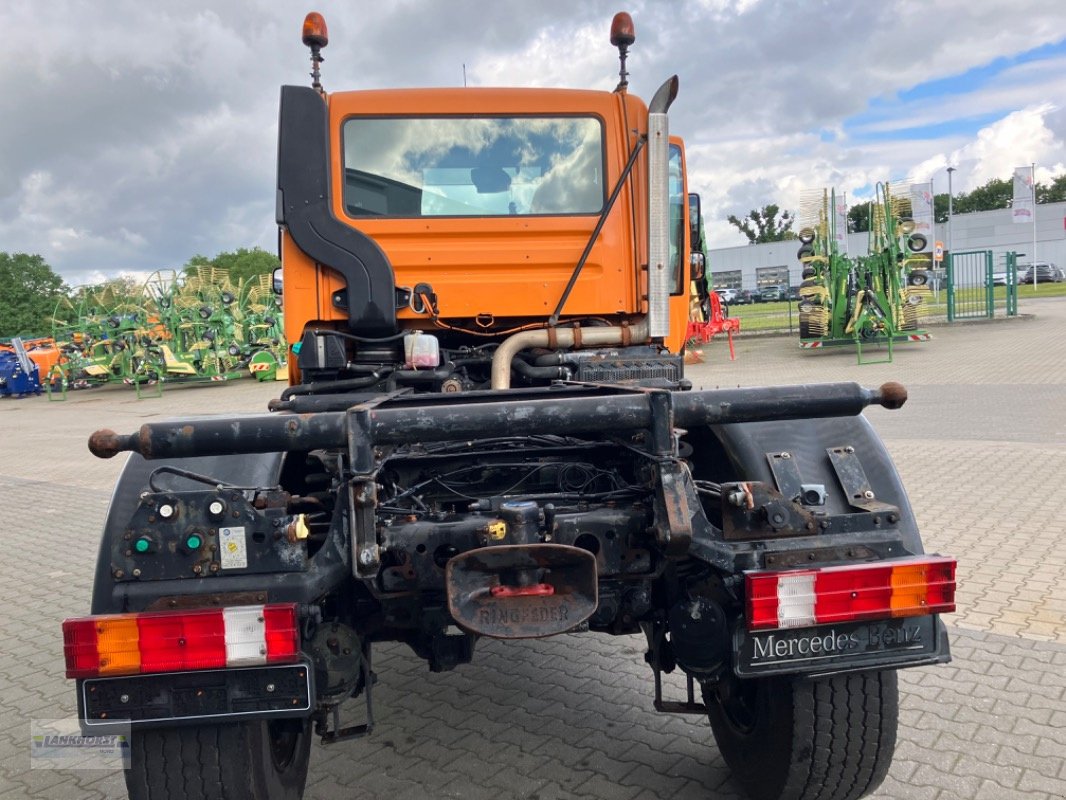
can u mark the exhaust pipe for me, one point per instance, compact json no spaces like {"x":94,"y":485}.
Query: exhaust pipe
{"x":659,"y":266}
{"x":564,"y":337}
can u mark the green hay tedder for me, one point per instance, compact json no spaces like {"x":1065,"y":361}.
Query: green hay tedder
{"x":875,"y":298}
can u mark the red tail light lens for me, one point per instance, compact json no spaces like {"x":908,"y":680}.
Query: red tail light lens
{"x":172,"y":641}
{"x":282,"y":633}
{"x":80,"y":648}
{"x":797,"y":598}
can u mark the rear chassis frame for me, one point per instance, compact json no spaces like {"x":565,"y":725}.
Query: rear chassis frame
{"x":670,"y":541}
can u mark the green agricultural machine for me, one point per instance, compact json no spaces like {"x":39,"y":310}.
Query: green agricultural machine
{"x":263,"y":346}
{"x":873,"y":299}
{"x":100,"y":332}
{"x":175,"y":328}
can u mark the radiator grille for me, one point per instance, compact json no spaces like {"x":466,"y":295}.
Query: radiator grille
{"x":652,"y":370}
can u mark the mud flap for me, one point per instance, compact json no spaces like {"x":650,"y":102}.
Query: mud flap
{"x":522,"y":591}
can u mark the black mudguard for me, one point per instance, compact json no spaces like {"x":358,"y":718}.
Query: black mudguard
{"x":738,"y":452}
{"x":331,"y":564}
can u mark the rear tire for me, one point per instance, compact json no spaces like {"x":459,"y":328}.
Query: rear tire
{"x":243,"y":761}
{"x":792,"y":739}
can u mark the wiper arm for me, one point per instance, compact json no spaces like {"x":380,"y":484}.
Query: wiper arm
{"x":553,"y":320}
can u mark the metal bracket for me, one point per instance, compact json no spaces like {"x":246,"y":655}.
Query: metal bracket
{"x":672,"y":506}
{"x":786,"y":474}
{"x":755,"y":510}
{"x":339,"y":734}
{"x":661,"y":403}
{"x":364,"y":454}
{"x":362,"y":505}
{"x":687,"y":706}
{"x":853,"y":480}
{"x":657,"y":648}
{"x":365,"y":458}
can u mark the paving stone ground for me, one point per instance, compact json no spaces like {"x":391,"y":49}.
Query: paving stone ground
{"x":981,"y":446}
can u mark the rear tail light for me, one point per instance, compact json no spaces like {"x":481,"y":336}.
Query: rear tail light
{"x":909,"y":587}
{"x":171,"y":641}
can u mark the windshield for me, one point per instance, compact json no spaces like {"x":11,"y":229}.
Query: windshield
{"x":472,"y":167}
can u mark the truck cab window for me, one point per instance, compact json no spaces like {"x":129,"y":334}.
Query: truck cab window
{"x":467,"y":167}
{"x":678,"y":217}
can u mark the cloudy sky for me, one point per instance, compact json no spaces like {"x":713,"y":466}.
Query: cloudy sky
{"x":135,"y":134}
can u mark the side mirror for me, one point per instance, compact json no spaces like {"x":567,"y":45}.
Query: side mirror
{"x":695,"y":218}
{"x":698,"y":264}
{"x":276,"y":284}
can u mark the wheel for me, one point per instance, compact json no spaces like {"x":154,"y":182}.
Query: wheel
{"x":787,"y":738}
{"x":240,"y":761}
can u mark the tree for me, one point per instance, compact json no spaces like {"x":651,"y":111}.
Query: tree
{"x":859,"y":218}
{"x":997,"y":193}
{"x":940,"y":207}
{"x":241,"y":264}
{"x":29,"y":290}
{"x":1055,"y":193}
{"x":762,"y":225}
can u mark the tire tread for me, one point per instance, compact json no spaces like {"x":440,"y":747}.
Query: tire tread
{"x":208,"y":762}
{"x":825,"y":739}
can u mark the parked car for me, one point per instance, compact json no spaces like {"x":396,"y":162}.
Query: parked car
{"x":727,"y":295}
{"x":744,"y":297}
{"x":1046,"y":272}
{"x":772,"y":294}
{"x":766,"y":294}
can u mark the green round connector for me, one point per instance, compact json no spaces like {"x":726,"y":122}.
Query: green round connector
{"x":142,"y":545}
{"x":194,"y":542}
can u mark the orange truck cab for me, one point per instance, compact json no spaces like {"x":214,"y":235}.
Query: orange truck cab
{"x":475,"y":226}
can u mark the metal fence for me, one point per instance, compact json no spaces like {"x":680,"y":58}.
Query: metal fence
{"x":1010,"y":279}
{"x":979,"y":287}
{"x":974,"y":285}
{"x":970,"y":285}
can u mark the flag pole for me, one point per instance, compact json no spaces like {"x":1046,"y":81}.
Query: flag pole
{"x":1032,"y":180}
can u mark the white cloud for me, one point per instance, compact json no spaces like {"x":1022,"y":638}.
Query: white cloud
{"x":95,"y":277}
{"x":1018,"y":139}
